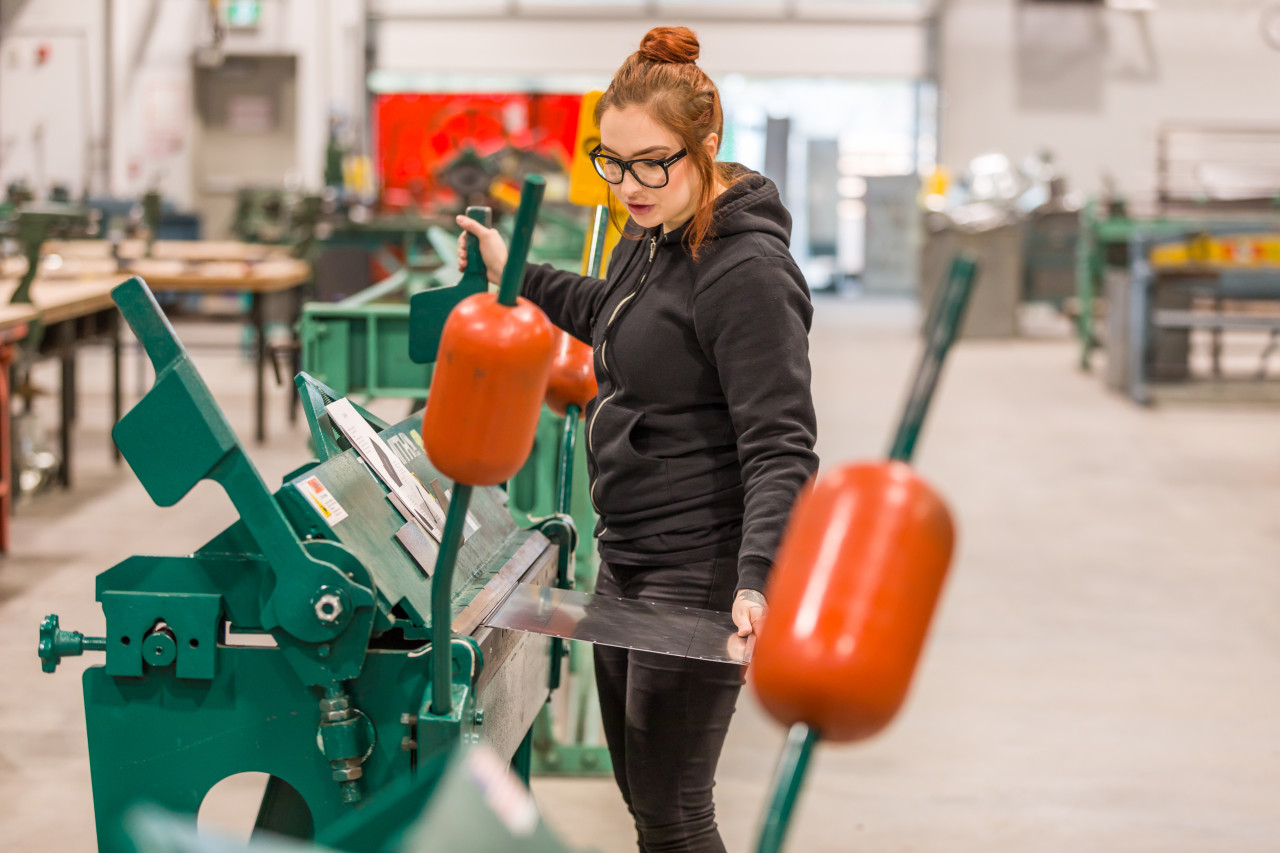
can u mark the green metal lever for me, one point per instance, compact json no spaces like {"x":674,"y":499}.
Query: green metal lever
{"x":521,"y":238}
{"x":442,"y":579}
{"x":56,"y":644}
{"x":940,"y":334}
{"x":177,"y":436}
{"x":429,"y":310}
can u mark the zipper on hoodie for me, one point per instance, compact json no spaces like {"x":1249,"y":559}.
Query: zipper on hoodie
{"x":604,"y":345}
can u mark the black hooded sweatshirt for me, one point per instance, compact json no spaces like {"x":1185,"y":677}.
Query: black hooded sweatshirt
{"x":703,"y":429}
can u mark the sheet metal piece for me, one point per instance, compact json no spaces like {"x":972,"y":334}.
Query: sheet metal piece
{"x":626,"y":623}
{"x":415,"y":503}
{"x":421,"y":547}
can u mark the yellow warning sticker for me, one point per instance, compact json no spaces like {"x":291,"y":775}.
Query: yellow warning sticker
{"x":323,"y":500}
{"x":1224,"y":251}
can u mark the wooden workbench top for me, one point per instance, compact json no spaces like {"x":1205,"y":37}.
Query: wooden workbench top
{"x":180,"y":250}
{"x":15,"y":315}
{"x":59,"y":300}
{"x":263,"y":276}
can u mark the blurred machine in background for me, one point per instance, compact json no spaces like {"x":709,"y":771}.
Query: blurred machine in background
{"x":1185,"y":279}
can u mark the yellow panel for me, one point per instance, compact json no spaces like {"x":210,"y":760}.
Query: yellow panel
{"x":585,"y":186}
{"x":1236,"y":251}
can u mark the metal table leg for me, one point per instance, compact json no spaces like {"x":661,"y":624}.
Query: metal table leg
{"x":260,"y":335}
{"x":67,"y":357}
{"x":6,"y":461}
{"x":117,"y":397}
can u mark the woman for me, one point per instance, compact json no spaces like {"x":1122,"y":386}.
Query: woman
{"x":703,"y":430}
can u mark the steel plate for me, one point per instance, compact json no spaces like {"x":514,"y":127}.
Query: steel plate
{"x":667,"y":629}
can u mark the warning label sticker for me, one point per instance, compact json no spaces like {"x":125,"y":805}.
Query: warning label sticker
{"x":323,"y":500}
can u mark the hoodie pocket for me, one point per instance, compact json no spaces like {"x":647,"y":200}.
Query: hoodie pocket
{"x":627,"y":481}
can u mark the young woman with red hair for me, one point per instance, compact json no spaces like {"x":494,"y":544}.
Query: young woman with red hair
{"x":703,"y":430}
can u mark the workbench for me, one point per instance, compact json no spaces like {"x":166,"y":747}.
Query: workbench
{"x":178,"y":266}
{"x":73,"y":314}
{"x":1174,"y":295}
{"x":14,"y":321}
{"x":1104,"y":242}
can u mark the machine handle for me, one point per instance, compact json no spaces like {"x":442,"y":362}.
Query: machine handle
{"x":787,"y":781}
{"x":56,"y":644}
{"x":429,"y":309}
{"x":939,"y":337}
{"x":521,"y":238}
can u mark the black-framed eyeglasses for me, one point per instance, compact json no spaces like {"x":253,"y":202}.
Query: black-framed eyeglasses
{"x":653,"y":174}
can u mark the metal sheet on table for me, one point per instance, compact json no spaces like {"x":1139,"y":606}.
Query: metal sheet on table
{"x":626,"y":623}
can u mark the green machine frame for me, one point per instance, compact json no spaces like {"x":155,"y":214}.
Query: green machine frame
{"x":304,"y":641}
{"x":358,"y":346}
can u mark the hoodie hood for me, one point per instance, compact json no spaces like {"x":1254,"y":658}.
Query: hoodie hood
{"x":750,"y":204}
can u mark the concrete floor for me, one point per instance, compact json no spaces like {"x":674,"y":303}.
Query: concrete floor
{"x":1104,"y":674}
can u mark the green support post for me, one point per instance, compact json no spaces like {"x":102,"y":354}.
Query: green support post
{"x":940,"y":334}
{"x":564,"y":496}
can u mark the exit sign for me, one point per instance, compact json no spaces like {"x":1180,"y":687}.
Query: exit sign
{"x":243,"y":13}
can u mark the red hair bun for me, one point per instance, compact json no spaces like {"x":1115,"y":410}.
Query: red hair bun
{"x":669,"y":44}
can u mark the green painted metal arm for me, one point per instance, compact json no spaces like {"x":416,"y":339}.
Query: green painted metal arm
{"x":943,"y":326}
{"x":521,"y":239}
{"x":787,"y":781}
{"x":314,"y":396}
{"x":177,"y":436}
{"x":938,"y":339}
{"x":428,"y":310}
{"x":442,"y":579}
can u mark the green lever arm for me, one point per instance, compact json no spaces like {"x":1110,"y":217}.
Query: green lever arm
{"x":177,"y":436}
{"x":442,"y":579}
{"x":787,"y":782}
{"x":441,"y":590}
{"x":939,"y":336}
{"x":521,"y":238}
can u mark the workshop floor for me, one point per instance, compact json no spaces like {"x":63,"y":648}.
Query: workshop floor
{"x":1104,"y":674}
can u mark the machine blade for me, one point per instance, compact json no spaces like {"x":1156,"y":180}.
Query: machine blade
{"x":623,"y":622}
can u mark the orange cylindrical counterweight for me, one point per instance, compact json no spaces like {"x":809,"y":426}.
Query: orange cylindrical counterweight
{"x":573,"y":376}
{"x":850,"y":597}
{"x":486,"y":394}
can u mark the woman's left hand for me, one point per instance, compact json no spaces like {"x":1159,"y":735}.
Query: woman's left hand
{"x":748,"y":611}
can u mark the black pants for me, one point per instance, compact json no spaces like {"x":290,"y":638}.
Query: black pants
{"x":665,"y":718}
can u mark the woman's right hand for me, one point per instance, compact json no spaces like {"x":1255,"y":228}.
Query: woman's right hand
{"x":492,"y":249}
